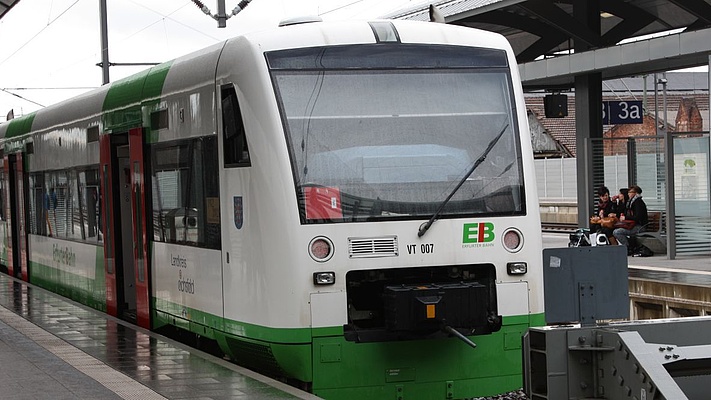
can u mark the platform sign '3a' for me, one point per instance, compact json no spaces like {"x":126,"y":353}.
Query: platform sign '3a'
{"x":622,"y":112}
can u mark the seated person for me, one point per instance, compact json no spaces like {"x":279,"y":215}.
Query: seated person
{"x":637,"y":212}
{"x":606,"y":209}
{"x":619,"y":202}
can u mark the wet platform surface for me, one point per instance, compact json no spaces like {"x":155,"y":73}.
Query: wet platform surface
{"x":53,"y":348}
{"x":688,"y":278}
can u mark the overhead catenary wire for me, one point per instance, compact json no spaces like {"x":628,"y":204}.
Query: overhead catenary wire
{"x":164,"y":17}
{"x":21,"y":97}
{"x":168,"y":17}
{"x":38,"y":33}
{"x":51,"y":21}
{"x":51,"y":88}
{"x":358,"y":2}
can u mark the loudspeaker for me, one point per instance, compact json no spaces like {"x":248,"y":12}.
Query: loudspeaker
{"x":556,"y":105}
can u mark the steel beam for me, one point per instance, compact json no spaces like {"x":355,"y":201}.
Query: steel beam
{"x":655,"y":359}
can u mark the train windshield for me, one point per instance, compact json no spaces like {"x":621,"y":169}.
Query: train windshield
{"x":392,"y":135}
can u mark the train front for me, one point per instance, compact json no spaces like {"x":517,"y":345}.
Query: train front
{"x":414,"y":181}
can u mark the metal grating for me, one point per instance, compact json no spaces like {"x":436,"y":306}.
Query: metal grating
{"x":693,"y":235}
{"x":372,"y":247}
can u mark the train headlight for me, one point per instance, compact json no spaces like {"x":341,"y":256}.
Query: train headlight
{"x":513,"y":240}
{"x":516,"y":268}
{"x":324,"y":278}
{"x":321,"y":249}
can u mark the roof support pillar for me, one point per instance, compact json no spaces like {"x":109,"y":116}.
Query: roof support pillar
{"x":589,"y":155}
{"x":588,"y":118}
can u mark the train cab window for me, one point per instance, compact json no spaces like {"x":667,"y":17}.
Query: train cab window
{"x":366,"y":145}
{"x":235,"y":142}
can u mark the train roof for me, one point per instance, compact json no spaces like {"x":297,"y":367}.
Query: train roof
{"x":353,"y":32}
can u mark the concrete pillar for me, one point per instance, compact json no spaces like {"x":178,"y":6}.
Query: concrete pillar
{"x":588,"y":118}
{"x":588,"y":125}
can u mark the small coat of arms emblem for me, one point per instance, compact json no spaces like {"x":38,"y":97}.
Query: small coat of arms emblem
{"x":238,"y":211}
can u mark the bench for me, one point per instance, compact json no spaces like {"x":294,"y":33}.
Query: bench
{"x":654,"y":234}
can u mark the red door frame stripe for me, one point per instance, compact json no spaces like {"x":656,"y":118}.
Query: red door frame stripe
{"x":140,"y":231}
{"x":108,"y":228}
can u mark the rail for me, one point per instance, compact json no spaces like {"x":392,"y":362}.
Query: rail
{"x":558,"y":227}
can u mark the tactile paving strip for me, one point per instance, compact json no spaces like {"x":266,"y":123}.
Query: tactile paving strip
{"x":113,"y":380}
{"x":132,"y":362}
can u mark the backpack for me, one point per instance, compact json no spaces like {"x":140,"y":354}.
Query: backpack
{"x":642,"y":251}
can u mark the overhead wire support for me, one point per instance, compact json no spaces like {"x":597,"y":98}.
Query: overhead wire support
{"x":221,"y":17}
{"x":128,"y":64}
{"x":21,"y":97}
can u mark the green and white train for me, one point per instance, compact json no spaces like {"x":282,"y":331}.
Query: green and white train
{"x":349,"y":206}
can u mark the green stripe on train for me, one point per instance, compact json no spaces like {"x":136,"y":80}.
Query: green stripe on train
{"x":126,"y":99}
{"x":348,"y":370}
{"x":195,"y":320}
{"x":20,"y":126}
{"x":87,"y":291}
{"x":90,"y":292}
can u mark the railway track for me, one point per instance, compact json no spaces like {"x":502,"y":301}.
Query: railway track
{"x":558,"y":227}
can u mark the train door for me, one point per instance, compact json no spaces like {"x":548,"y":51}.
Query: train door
{"x":126,"y":247}
{"x":15,"y":213}
{"x":140,"y":229}
{"x":108,"y":216}
{"x":4,"y":212}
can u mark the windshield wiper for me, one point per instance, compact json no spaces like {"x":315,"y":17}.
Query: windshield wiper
{"x":425,"y":226}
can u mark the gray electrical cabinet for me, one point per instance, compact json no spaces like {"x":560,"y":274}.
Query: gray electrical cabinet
{"x":585,"y":284}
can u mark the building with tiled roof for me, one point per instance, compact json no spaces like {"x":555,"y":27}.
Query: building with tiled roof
{"x":687,"y":91}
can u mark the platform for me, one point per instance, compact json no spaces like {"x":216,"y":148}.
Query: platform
{"x":659,"y":287}
{"x":53,"y":348}
{"x":683,"y":264}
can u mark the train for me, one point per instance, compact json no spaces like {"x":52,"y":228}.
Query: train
{"x":350,"y":206}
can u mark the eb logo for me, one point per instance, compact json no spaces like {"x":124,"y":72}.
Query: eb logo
{"x":480,"y":232}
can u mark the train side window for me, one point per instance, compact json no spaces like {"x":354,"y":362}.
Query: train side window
{"x":73,"y":218}
{"x":55,"y":203}
{"x":235,"y":142}
{"x":186,"y":193}
{"x":89,"y":204}
{"x":37,"y":212}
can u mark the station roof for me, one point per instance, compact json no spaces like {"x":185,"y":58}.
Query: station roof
{"x":6,"y":5}
{"x":545,"y":27}
{"x":544,"y":30}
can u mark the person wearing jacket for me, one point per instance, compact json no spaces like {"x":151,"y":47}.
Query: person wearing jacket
{"x":606,"y":209}
{"x":636,"y":211}
{"x":619,"y":202}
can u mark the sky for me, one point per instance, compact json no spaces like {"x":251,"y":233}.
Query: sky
{"x":49,"y":48}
